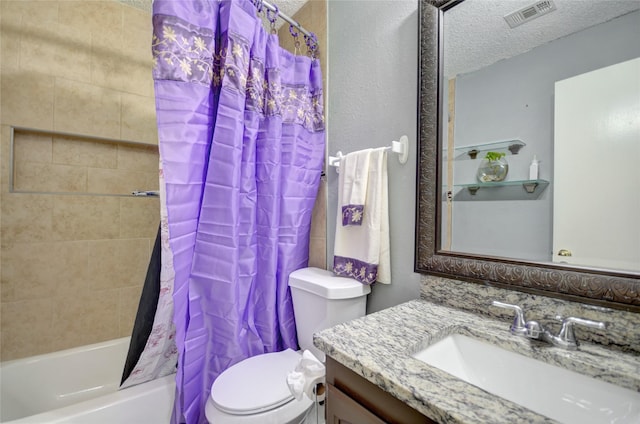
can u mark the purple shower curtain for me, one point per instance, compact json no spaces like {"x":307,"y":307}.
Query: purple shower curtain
{"x":241,"y":136}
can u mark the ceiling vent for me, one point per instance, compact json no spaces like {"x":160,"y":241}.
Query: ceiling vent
{"x":530,"y":12}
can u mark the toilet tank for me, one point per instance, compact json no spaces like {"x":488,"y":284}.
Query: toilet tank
{"x":322,"y":300}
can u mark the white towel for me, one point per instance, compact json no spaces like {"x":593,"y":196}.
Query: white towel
{"x":362,"y":252}
{"x":354,"y":173}
{"x":308,"y":373}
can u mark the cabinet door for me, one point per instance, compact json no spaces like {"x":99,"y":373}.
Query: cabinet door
{"x":341,"y":409}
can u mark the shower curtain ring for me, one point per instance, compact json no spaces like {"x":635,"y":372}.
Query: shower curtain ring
{"x":259,"y":5}
{"x":295,"y":34}
{"x":273,"y":18}
{"x":312,"y":44}
{"x":311,"y":40}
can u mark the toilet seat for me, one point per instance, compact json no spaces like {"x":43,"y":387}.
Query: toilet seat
{"x":256,"y":384}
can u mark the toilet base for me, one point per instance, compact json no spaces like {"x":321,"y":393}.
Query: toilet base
{"x":294,"y":412}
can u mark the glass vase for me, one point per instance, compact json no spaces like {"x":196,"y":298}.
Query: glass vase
{"x":491,"y":171}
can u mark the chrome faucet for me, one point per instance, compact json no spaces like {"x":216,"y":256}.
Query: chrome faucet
{"x":565,"y":339}
{"x":519,"y":326}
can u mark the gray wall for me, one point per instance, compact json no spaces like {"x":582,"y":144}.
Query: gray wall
{"x":372,"y":100}
{"x":514,"y":98}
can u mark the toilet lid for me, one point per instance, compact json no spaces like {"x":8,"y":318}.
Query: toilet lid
{"x":256,"y":384}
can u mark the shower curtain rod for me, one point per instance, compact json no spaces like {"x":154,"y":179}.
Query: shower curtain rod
{"x":290,"y":20}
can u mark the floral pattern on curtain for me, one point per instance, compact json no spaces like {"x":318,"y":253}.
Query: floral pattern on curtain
{"x":159,"y":356}
{"x":241,"y":134}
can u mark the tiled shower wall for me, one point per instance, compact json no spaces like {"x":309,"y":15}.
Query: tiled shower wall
{"x":72,"y":264}
{"x":73,"y":251}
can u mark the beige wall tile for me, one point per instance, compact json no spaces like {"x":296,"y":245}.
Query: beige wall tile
{"x":128,"y":300}
{"x":25,"y":218}
{"x":137,"y":61}
{"x":43,"y":270}
{"x":52,"y":178}
{"x":139,"y":119}
{"x":31,"y":147}
{"x":136,"y":18}
{"x":106,"y":60}
{"x":122,"y":60}
{"x":10,"y":12}
{"x":87,"y":317}
{"x":120,"y":181}
{"x":319,"y":216}
{"x":35,"y":12}
{"x":79,"y":152}
{"x":9,"y":51}
{"x":56,"y":49}
{"x":91,"y":16}
{"x":9,"y":38}
{"x":318,"y":241}
{"x":77,"y":58}
{"x":87,"y":109}
{"x":153,"y":181}
{"x":27,"y":100}
{"x":117,"y":263}
{"x":318,"y":252}
{"x":105,"y":69}
{"x":139,"y":217}
{"x":69,"y":326}
{"x":102,"y":317}
{"x":85,"y":217}
{"x":140,"y":158}
{"x":27,"y":328}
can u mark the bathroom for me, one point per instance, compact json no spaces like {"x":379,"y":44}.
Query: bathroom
{"x":61,"y":91}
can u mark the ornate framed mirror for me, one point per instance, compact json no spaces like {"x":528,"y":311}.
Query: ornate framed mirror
{"x":610,"y":286}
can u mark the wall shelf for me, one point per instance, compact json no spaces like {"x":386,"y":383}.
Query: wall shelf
{"x":506,"y":146}
{"x":503,"y":190}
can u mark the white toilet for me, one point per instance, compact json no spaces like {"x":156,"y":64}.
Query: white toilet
{"x":255,"y":390}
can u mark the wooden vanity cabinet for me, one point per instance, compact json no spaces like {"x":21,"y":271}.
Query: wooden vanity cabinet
{"x":342,"y":409}
{"x":352,"y":399}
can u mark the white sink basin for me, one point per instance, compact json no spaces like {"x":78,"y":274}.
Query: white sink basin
{"x":555,"y":392}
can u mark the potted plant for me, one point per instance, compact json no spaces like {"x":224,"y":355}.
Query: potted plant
{"x":493,"y":168}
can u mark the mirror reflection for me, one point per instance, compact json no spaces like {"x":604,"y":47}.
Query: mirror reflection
{"x":541,"y":132}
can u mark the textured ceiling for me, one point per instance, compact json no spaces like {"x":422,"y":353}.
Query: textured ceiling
{"x":477,"y":35}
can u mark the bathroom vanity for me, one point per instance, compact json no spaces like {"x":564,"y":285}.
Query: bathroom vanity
{"x":377,"y":358}
{"x":373,"y":376}
{"x":356,"y":400}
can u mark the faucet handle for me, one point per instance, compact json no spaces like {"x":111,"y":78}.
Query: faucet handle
{"x":519,"y":323}
{"x":567,"y":334}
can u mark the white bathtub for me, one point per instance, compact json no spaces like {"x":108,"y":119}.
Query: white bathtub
{"x":80,"y":386}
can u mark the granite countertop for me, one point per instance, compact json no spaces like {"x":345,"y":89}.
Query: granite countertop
{"x":379,"y":346}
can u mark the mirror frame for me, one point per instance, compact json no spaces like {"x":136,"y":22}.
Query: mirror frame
{"x":599,"y":287}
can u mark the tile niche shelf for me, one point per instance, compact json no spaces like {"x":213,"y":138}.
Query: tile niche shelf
{"x":503,"y":190}
{"x":48,"y":162}
{"x":471,"y":152}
